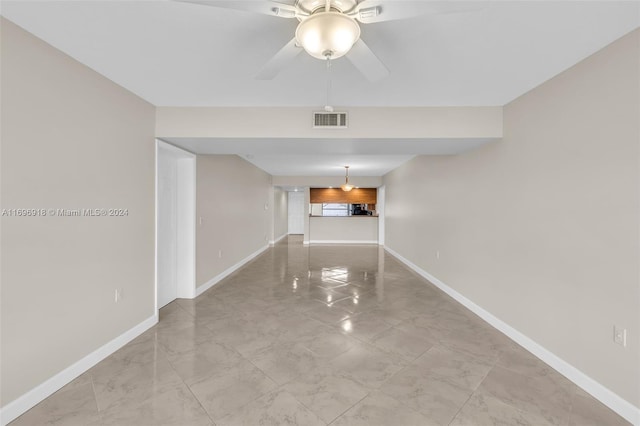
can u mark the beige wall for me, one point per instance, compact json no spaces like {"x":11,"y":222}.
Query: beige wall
{"x":280,"y":213}
{"x":372,"y":122}
{"x":231,"y":195}
{"x":541,"y":229}
{"x":70,"y":139}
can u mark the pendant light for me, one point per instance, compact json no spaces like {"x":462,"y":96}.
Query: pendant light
{"x":347,"y":186}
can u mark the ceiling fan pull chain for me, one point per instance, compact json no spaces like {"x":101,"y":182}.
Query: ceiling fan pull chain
{"x":328,"y":106}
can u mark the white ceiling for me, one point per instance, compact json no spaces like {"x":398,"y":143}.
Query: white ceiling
{"x":180,"y":54}
{"x":326,"y":157}
{"x":327,"y":165}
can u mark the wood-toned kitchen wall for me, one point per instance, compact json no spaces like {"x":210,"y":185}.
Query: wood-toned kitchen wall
{"x":337,"y":195}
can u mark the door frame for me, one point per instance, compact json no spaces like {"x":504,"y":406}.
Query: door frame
{"x":380,"y":203}
{"x":186,"y":220}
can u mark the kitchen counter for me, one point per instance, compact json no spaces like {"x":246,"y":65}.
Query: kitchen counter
{"x":363,"y":215}
{"x":343,"y":229}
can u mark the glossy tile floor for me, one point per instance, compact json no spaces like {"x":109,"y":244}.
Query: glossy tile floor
{"x":340,"y":335}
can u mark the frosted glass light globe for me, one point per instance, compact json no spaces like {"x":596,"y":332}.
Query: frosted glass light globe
{"x":327,"y":34}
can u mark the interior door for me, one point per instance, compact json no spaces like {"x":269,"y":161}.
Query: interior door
{"x":296,"y":213}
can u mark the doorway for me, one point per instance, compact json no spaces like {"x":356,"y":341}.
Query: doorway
{"x":296,"y":213}
{"x":175,"y":224}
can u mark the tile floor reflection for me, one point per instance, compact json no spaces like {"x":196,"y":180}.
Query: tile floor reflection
{"x":340,"y":335}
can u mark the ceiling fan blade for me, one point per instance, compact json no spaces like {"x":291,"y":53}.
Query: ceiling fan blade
{"x":372,"y":11}
{"x":367,"y":62}
{"x":265,"y":7}
{"x":279,"y":61}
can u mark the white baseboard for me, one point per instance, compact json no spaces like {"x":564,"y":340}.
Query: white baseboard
{"x":273,"y":242}
{"x":215,"y":280}
{"x":618,"y":404}
{"x":19,"y":406}
{"x":343,"y":242}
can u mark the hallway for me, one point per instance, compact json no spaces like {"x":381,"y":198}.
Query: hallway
{"x":340,"y":335}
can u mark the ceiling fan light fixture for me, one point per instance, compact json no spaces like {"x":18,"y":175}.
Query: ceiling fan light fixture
{"x":329,"y":34}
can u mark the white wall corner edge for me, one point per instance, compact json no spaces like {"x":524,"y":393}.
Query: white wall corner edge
{"x":273,"y":242}
{"x":215,"y":280}
{"x":609,"y":398}
{"x":343,"y":242}
{"x":36,"y":395}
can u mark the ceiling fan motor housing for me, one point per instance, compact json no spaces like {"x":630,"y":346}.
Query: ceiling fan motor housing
{"x":311,"y":6}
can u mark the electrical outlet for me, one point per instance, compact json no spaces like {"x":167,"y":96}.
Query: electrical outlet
{"x":200,"y":220}
{"x":437,"y":254}
{"x":620,"y":336}
{"x":118,"y":295}
{"x":220,"y":254}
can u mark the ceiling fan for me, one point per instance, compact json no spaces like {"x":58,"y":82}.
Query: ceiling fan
{"x":328,"y":29}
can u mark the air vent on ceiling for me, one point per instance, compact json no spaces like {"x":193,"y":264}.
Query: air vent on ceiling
{"x":329,"y":120}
